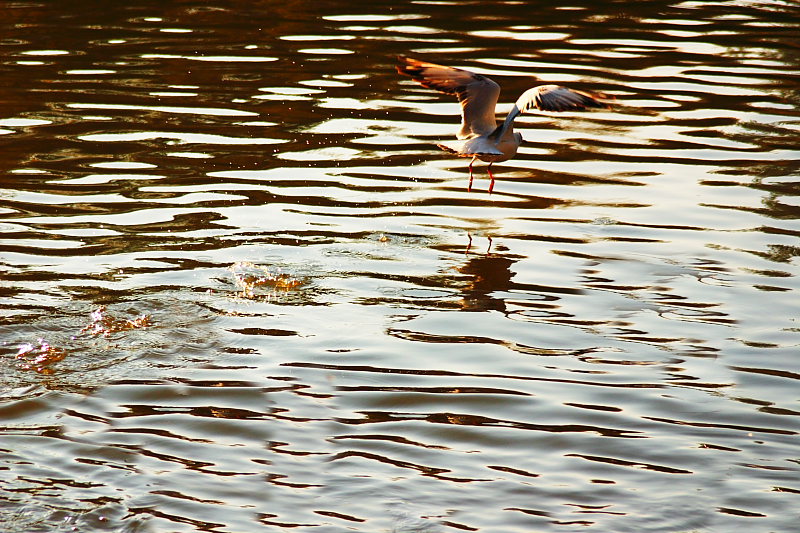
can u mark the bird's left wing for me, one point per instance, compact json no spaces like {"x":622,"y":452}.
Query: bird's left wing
{"x":477,"y":93}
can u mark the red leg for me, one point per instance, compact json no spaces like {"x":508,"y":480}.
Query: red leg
{"x":469,"y":187}
{"x":491,"y":185}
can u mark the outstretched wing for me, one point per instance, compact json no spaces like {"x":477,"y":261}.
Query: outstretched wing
{"x":477,"y":94}
{"x":556,"y":98}
{"x":547,"y":98}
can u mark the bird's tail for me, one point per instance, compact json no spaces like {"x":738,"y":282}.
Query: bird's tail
{"x":448,"y":148}
{"x":454,"y":150}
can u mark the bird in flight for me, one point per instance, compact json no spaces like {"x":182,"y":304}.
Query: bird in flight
{"x":480,"y":135}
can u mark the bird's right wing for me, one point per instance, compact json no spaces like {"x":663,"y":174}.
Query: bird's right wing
{"x":556,"y":98}
{"x":547,"y":98}
{"x":477,"y":93}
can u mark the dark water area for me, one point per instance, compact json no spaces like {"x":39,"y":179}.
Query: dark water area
{"x":241,"y":289}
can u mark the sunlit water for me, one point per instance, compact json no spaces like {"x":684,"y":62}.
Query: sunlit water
{"x":242,"y":290}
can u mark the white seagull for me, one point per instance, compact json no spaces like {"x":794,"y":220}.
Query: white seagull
{"x":482,"y":137}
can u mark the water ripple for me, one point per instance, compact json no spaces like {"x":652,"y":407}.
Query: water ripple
{"x":243,"y":289}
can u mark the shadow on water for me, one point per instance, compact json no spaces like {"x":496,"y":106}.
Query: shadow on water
{"x":242,"y":289}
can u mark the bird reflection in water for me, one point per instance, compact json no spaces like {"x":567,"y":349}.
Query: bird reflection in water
{"x":490,"y":279}
{"x":469,"y":244}
{"x":489,"y":274}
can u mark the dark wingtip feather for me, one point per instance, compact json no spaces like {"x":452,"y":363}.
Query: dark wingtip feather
{"x":585,"y":100}
{"x":403,"y":65}
{"x":593,"y":100}
{"x":415,"y":69}
{"x":410,"y":67}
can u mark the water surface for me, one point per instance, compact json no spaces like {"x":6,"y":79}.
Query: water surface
{"x":242,"y":290}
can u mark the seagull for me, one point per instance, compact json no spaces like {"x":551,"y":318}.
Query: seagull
{"x":481,"y":137}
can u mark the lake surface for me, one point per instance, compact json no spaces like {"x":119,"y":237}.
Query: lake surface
{"x":242,"y":290}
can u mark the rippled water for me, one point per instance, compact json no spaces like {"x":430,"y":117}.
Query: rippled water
{"x":242,"y":290}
